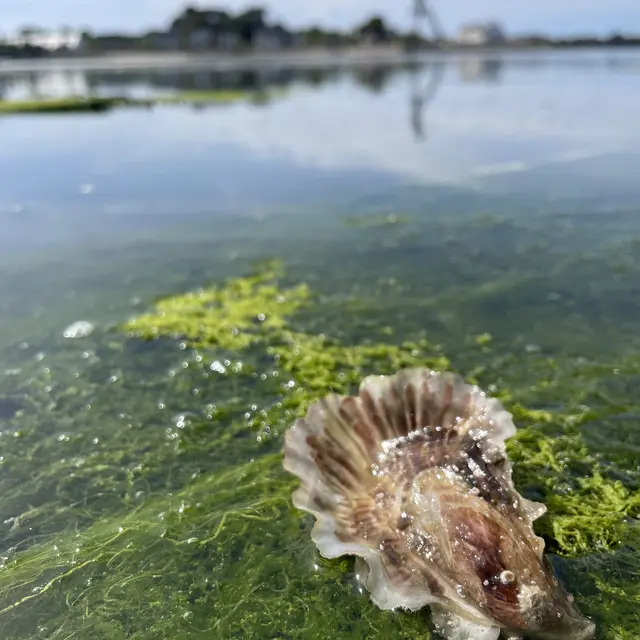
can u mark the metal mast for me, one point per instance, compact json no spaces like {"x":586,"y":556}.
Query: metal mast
{"x":422,"y":95}
{"x":423,"y":11}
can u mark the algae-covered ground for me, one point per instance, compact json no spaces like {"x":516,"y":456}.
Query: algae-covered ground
{"x":88,"y":104}
{"x":141,"y":484}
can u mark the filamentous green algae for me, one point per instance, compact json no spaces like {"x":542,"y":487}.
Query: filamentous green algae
{"x":165,"y":522}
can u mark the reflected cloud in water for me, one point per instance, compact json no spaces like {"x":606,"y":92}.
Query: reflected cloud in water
{"x":481,"y":122}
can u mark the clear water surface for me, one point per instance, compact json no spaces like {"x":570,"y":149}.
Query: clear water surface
{"x":454,"y":199}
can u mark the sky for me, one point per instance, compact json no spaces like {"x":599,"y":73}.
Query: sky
{"x":517,"y":16}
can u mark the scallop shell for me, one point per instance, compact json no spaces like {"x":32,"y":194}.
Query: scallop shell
{"x":412,"y":477}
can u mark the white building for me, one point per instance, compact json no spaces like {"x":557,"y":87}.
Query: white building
{"x":50,"y":40}
{"x":481,"y":34}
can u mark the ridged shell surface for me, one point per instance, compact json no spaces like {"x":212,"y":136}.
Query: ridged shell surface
{"x":412,"y":477}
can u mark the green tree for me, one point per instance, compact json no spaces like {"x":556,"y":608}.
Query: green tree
{"x":375,"y":29}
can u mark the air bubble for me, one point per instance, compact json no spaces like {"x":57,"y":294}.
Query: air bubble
{"x":218,"y":367}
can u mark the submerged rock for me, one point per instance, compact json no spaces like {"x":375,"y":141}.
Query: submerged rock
{"x":412,"y":477}
{"x":80,"y":329}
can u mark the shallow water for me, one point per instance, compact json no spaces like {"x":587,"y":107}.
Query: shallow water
{"x":141,"y":494}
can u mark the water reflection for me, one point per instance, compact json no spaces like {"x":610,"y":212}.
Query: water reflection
{"x":425,"y":81}
{"x":423,"y":92}
{"x":374,"y":78}
{"x":23,"y":84}
{"x":338,"y":126}
{"x":35,"y":85}
{"x":480,"y":69}
{"x":38,"y":84}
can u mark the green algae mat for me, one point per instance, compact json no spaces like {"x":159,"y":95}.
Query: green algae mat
{"x":88,"y":104}
{"x":141,"y":484}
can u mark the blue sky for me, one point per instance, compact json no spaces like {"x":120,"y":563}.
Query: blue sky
{"x":552,"y":16}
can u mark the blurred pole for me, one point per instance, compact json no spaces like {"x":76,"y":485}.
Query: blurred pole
{"x":422,"y":94}
{"x":423,"y":11}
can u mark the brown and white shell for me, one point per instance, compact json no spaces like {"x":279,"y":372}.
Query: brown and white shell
{"x":412,"y":477}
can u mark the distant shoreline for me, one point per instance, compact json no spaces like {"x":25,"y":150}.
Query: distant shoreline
{"x":309,"y":58}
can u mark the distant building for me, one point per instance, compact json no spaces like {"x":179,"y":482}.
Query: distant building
{"x":201,"y":38}
{"x":209,"y":38}
{"x":272,"y":38}
{"x":205,"y":30}
{"x":49,"y":40}
{"x":226,"y":40}
{"x":481,"y":34}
